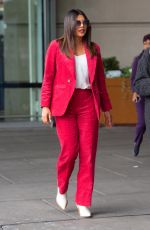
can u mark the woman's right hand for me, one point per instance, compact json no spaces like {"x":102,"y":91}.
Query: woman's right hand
{"x":46,"y":115}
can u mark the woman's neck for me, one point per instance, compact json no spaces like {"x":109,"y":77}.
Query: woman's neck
{"x":78,"y":41}
{"x":79,"y":47}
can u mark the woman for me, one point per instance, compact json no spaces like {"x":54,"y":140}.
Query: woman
{"x":73,"y":91}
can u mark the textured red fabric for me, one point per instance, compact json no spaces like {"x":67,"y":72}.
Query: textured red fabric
{"x":77,"y":130}
{"x":59,"y":80}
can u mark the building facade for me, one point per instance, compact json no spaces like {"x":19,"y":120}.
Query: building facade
{"x":27,"y":26}
{"x":117,"y":25}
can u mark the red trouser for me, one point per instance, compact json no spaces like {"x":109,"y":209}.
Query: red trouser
{"x":77,"y":131}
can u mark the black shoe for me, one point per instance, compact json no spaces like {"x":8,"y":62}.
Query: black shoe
{"x":136,"y":150}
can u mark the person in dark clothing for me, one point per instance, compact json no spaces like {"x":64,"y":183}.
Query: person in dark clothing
{"x":142,"y":85}
{"x":139,"y":100}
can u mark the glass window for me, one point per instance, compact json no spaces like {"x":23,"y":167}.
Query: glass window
{"x":21,"y":57}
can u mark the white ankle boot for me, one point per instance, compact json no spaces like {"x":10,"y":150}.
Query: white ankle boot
{"x":61,"y":200}
{"x":83,"y":211}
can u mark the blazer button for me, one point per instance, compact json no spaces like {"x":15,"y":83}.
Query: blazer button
{"x":69,"y":81}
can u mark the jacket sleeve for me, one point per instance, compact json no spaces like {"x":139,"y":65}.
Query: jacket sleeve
{"x":104,"y":97}
{"x":142,"y":78}
{"x":134,"y":69}
{"x":49,"y":74}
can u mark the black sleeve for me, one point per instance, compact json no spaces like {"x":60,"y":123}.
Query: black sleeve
{"x":142,"y":78}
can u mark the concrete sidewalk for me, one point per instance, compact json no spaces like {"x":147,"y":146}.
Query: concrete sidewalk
{"x":28,"y":153}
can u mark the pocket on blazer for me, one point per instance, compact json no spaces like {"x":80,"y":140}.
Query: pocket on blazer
{"x":60,"y":86}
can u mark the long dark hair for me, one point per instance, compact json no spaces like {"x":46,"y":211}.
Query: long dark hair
{"x":67,"y":41}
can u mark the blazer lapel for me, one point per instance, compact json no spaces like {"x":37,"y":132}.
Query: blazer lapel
{"x":70,"y":64}
{"x":91,"y":64}
{"x":91,"y":61}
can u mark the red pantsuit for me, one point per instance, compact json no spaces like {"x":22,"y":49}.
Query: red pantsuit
{"x":77,"y":114}
{"x":77,"y":130}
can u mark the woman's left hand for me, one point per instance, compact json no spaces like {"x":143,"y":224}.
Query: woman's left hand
{"x":108,"y":119}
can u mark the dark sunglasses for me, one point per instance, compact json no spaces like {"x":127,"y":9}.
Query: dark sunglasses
{"x":84,"y":22}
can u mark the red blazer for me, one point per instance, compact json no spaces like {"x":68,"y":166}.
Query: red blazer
{"x":60,"y":80}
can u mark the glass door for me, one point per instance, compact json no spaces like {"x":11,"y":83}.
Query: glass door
{"x":21,"y":58}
